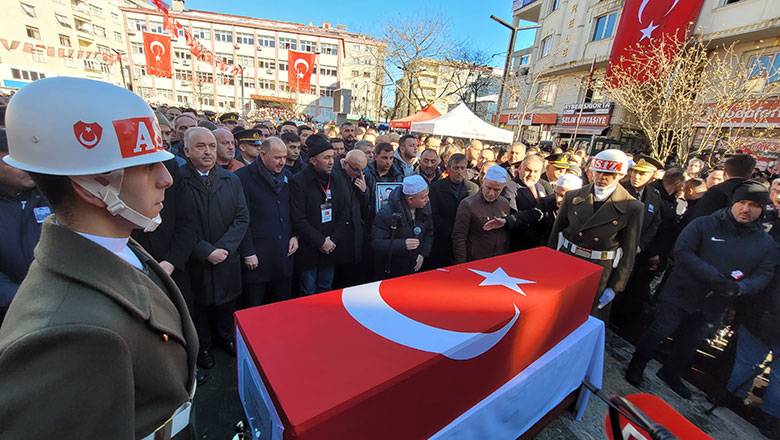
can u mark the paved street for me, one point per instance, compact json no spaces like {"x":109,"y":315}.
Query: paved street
{"x":218,"y":408}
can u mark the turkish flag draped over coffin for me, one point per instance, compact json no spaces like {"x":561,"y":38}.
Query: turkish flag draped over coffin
{"x":403,"y":357}
{"x":645,"y":22}
{"x":661,"y":413}
{"x":299,"y":70}
{"x":157,"y":49}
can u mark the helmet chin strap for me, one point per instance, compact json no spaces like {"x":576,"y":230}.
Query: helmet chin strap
{"x":106,"y":187}
{"x":601,"y":193}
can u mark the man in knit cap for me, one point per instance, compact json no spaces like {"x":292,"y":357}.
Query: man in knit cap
{"x":403,"y":230}
{"x":472,"y":236}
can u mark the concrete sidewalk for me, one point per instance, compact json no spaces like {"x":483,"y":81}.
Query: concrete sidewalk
{"x":723,"y":424}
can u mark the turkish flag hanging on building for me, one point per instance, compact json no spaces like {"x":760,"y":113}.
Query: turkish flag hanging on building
{"x":299,"y":69}
{"x":644,"y":22}
{"x":158,"y":54}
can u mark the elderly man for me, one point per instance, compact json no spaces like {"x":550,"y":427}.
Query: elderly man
{"x":694,"y":169}
{"x":269,"y":244}
{"x":446,"y":195}
{"x":249,"y":145}
{"x":601,"y":223}
{"x":428,"y":166}
{"x":717,"y":257}
{"x":472,"y":236}
{"x":288,"y":127}
{"x":517,"y":153}
{"x":226,"y":150}
{"x":181,"y":124}
{"x":293,"y":163}
{"x":530,"y":192}
{"x":215,"y":264}
{"x":367,"y":147}
{"x":406,"y":155}
{"x":402,"y":233}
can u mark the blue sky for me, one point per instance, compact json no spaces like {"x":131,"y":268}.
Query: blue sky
{"x":470,"y":19}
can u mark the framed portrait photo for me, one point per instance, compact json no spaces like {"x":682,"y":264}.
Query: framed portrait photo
{"x":383,"y":190}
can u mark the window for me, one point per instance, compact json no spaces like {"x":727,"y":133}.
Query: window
{"x":64,"y":40}
{"x":182,"y":54}
{"x":605,"y":26}
{"x":266,"y":41}
{"x":33,"y":32}
{"x":104,"y":49}
{"x":555,"y":5}
{"x":183,"y":99}
{"x":201,"y":33}
{"x":156,"y":27}
{"x":283,"y":87}
{"x":287,"y":43}
{"x":134,"y":23}
{"x":115,"y":18}
{"x":283,"y":66}
{"x":266,"y":63}
{"x":546,"y":46}
{"x":546,"y":93}
{"x":99,"y":30}
{"x":28,"y":10}
{"x":207,"y":100}
{"x":205,"y":77}
{"x":118,"y":37}
{"x":245,"y":61}
{"x":183,"y":75}
{"x":224,"y":36}
{"x":249,"y":83}
{"x":247,"y":39}
{"x":96,"y":66}
{"x":137,"y":48}
{"x":355,"y":74}
{"x":224,"y":57}
{"x":326,"y":91}
{"x":329,"y":49}
{"x":265,"y":84}
{"x":366,"y":74}
{"x":765,"y":66}
{"x":139,"y":71}
{"x":95,"y":10}
{"x":226,"y":79}
{"x":308,"y":46}
{"x":62,"y":20}
{"x":312,"y":90}
{"x":328,"y":71}
{"x":730,"y":2}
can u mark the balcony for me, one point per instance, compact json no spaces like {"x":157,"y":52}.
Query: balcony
{"x":528,"y":10}
{"x":80,"y":9}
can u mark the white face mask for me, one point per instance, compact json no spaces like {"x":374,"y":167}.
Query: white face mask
{"x":601,"y":193}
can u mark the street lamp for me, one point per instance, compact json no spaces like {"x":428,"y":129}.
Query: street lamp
{"x":512,"y":35}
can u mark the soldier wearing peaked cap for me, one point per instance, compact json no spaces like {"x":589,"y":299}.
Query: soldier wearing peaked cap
{"x":600,"y":223}
{"x":637,"y":183}
{"x":249,"y":142}
{"x":229,"y":120}
{"x":98,"y":342}
{"x":557,"y":164}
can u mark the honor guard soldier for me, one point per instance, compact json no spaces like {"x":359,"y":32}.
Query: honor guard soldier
{"x":637,"y":183}
{"x":98,"y":342}
{"x":601,"y":223}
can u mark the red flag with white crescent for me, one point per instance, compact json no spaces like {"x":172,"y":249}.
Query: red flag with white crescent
{"x":157,"y":49}
{"x":644,"y":22}
{"x":661,"y":413}
{"x":299,"y":69}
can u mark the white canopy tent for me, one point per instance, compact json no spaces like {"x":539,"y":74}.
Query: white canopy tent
{"x":461,"y":122}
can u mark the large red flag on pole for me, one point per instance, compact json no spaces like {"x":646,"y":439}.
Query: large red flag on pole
{"x":157,"y":49}
{"x":299,"y":70}
{"x":645,"y":22}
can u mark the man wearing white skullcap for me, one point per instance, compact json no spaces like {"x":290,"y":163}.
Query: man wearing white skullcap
{"x":565,"y":183}
{"x":402,"y":233}
{"x":472,"y":239}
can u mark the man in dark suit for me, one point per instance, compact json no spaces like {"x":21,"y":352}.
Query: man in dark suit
{"x":530,"y":192}
{"x":268,"y":245}
{"x":215,"y":265}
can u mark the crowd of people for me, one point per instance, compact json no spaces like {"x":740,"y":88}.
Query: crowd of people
{"x":258,"y":212}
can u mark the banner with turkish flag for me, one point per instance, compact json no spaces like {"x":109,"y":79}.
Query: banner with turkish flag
{"x":300,"y":66}
{"x":157,"y":49}
{"x":661,"y":413}
{"x":401,"y":358}
{"x":645,"y":22}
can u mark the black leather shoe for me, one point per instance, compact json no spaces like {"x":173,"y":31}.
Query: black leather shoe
{"x":675,"y":383}
{"x":205,"y":359}
{"x":635,"y":372}
{"x":201,"y":376}
{"x":229,"y":346}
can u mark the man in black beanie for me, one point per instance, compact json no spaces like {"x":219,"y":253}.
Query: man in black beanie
{"x":718,"y":257}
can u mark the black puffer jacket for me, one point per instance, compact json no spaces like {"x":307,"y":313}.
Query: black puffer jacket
{"x":762,"y":316}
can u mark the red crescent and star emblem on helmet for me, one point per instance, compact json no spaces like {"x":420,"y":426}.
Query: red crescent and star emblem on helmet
{"x":88,"y":134}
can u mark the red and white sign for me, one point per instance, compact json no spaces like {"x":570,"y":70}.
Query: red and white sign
{"x":660,"y":413}
{"x":299,"y":70}
{"x":609,"y":166}
{"x":138,"y":136}
{"x":88,"y":135}
{"x":643,"y":22}
{"x":764,"y":114}
{"x":401,"y":358}
{"x":585,"y":120}
{"x":158,"y":54}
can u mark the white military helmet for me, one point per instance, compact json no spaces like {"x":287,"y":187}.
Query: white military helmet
{"x":90,"y":130}
{"x":610,"y":161}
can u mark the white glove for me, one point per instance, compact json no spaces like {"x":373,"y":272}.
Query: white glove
{"x":606,"y":297}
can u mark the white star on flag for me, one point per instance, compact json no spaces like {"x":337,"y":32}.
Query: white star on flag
{"x":300,"y":74}
{"x":648,"y":31}
{"x":500,"y":278}
{"x":157,"y":57}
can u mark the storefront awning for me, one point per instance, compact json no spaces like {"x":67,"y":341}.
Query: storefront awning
{"x":586,"y":130}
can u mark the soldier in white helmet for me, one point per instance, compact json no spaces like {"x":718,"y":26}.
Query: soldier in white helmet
{"x":601,"y":222}
{"x":98,"y":342}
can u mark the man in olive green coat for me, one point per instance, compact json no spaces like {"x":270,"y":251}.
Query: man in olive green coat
{"x":98,"y":342}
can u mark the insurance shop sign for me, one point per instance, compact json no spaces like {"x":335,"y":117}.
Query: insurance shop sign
{"x":592,"y":114}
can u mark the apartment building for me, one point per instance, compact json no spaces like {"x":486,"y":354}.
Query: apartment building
{"x":577,"y":34}
{"x":40,"y":38}
{"x":346,"y":80}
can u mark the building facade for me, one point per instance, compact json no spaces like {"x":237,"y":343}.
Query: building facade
{"x":571,"y":49}
{"x":346,"y":79}
{"x":41,"y":38}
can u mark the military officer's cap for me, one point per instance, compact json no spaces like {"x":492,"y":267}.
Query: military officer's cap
{"x":228,"y":117}
{"x":647,"y":164}
{"x":251,"y":137}
{"x":558,"y":160}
